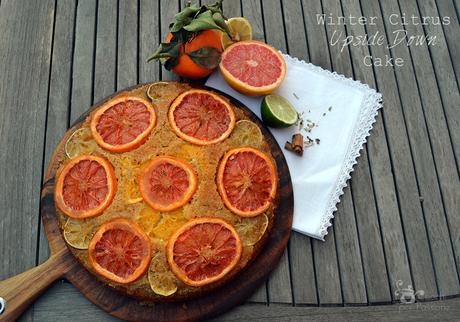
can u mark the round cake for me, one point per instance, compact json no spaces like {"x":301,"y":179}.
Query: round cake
{"x":166,"y":191}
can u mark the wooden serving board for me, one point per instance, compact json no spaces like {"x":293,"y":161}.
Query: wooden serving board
{"x":21,"y":290}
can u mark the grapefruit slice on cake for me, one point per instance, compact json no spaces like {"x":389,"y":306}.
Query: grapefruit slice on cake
{"x":246,"y":180}
{"x":123,"y":124}
{"x":201,"y":117}
{"x":167,"y":183}
{"x":85,"y":187}
{"x":203,"y":251}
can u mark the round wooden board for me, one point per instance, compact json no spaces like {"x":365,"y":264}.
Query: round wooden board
{"x":211,"y":304}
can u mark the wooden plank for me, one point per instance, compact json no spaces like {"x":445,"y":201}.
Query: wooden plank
{"x":251,"y":9}
{"x":451,"y":33}
{"x":127,"y":59}
{"x":411,"y":213}
{"x":402,"y":163}
{"x":56,"y":306}
{"x":324,"y":253}
{"x":349,"y":252}
{"x":231,"y":8}
{"x":448,"y":310}
{"x":302,"y":270}
{"x":384,"y":189}
{"x":63,"y":302}
{"x":83,"y":58}
{"x":346,"y":233}
{"x":59,"y":91}
{"x":168,"y":9}
{"x":444,"y":71}
{"x":450,"y":96}
{"x":300,"y":256}
{"x":25,"y":55}
{"x":106,"y":50}
{"x":438,"y":233}
{"x":149,"y":31}
{"x":279,"y":283}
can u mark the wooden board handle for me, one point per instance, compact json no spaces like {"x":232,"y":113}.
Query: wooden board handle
{"x":18,"y":292}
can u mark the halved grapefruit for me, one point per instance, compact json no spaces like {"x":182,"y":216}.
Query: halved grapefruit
{"x":247,"y":181}
{"x":201,"y":117}
{"x":167,"y":183}
{"x":253,"y":67}
{"x":203,"y":251}
{"x":123,"y":124}
{"x":85,"y":187}
{"x":120,"y":251}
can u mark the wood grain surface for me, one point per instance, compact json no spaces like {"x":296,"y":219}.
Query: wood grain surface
{"x":398,"y":220}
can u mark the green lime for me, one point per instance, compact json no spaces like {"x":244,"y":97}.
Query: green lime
{"x":277,"y":111}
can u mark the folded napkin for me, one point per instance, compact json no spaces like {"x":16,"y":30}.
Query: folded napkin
{"x":343,"y":111}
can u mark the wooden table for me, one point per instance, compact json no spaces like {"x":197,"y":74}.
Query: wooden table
{"x":398,"y":220}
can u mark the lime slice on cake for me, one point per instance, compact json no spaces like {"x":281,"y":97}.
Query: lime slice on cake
{"x":277,"y":111}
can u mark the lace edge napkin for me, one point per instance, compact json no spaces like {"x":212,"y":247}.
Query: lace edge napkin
{"x":370,"y":105}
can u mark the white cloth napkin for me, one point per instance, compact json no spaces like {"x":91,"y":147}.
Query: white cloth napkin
{"x":319,"y":176}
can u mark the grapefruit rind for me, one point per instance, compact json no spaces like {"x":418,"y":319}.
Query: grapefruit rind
{"x":180,"y":274}
{"x":223,"y":193}
{"x":120,"y":223}
{"x":192,"y":139}
{"x":192,"y":181}
{"x":243,"y":87}
{"x":111,"y":183}
{"x":140,"y":139}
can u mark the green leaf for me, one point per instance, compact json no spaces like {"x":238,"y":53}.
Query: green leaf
{"x":204,"y":21}
{"x":207,"y":57}
{"x":166,"y":50}
{"x":187,"y":13}
{"x":219,"y":20}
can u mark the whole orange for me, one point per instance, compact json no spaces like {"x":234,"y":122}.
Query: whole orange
{"x":186,"y":66}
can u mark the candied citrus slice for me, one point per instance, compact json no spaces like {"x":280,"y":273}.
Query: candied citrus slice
{"x":203,"y":251}
{"x":78,"y":233}
{"x":123,"y":124}
{"x":251,"y":229}
{"x":148,"y":219}
{"x":246,"y":133}
{"x":85,"y":187}
{"x":160,"y":92}
{"x":120,"y":251}
{"x":246,"y":180}
{"x":80,"y":142}
{"x":161,"y":279}
{"x":168,"y":224}
{"x":201,"y":117}
{"x":253,"y":67}
{"x":167,"y":183}
{"x":130,"y":173}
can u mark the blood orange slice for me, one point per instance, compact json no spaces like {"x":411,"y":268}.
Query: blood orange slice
{"x":123,"y":124}
{"x":246,"y":180}
{"x":167,"y":183}
{"x":85,"y":187}
{"x":120,"y":251}
{"x":253,"y":67}
{"x":203,"y":251}
{"x":201,"y":117}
